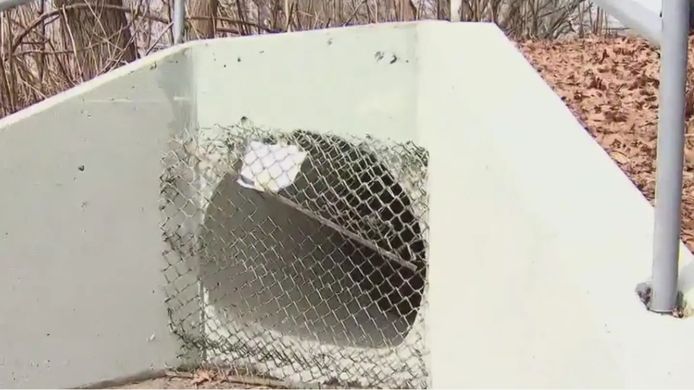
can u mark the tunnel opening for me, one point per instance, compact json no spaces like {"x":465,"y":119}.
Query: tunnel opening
{"x":336,"y":257}
{"x":318,"y":277}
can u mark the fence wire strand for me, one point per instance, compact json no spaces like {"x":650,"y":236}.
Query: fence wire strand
{"x":298,"y":255}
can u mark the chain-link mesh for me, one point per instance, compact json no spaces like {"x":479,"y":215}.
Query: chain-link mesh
{"x":299,"y":255}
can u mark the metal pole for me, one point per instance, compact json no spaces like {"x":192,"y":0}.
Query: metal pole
{"x":635,"y":16}
{"x":670,"y":154}
{"x":456,"y":6}
{"x":179,"y":20}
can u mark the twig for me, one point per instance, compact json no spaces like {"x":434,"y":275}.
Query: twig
{"x":158,"y":39}
{"x":74,"y":46}
{"x":354,"y":13}
{"x":11,"y":86}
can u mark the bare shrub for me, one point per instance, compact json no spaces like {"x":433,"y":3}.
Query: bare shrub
{"x":537,"y":19}
{"x":47,"y":47}
{"x":45,"y":50}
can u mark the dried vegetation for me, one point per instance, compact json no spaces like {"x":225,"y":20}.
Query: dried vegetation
{"x":49,"y":46}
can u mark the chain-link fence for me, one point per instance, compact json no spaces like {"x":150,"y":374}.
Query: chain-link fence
{"x":298,"y":255}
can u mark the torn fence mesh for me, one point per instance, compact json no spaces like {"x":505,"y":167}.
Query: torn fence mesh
{"x":299,"y":255}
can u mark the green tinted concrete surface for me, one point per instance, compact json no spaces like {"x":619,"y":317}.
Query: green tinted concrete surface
{"x":537,"y":239}
{"x":80,"y":245}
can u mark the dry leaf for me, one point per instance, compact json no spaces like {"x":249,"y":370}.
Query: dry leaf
{"x":620,"y":157}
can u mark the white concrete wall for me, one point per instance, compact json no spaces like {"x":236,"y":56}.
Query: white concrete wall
{"x":81,"y":297}
{"x":538,"y":240}
{"x":324,"y":80}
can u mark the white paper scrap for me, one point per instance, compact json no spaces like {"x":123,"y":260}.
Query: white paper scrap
{"x":270,"y":167}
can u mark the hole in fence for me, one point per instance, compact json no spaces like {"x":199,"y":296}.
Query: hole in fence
{"x":267,"y":263}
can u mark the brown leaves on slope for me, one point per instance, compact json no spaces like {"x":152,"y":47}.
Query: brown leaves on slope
{"x":611,"y":85}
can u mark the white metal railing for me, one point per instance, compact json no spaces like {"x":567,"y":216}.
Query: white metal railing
{"x":634,"y":16}
{"x":179,"y":20}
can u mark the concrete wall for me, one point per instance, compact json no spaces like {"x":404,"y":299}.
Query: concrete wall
{"x":538,"y":239}
{"x":81,"y":297}
{"x":357,"y":80}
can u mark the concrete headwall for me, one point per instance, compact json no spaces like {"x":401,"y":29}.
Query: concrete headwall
{"x":81,"y":297}
{"x":537,"y":239}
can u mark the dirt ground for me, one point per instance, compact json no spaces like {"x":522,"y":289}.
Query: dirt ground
{"x":611,"y":85}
